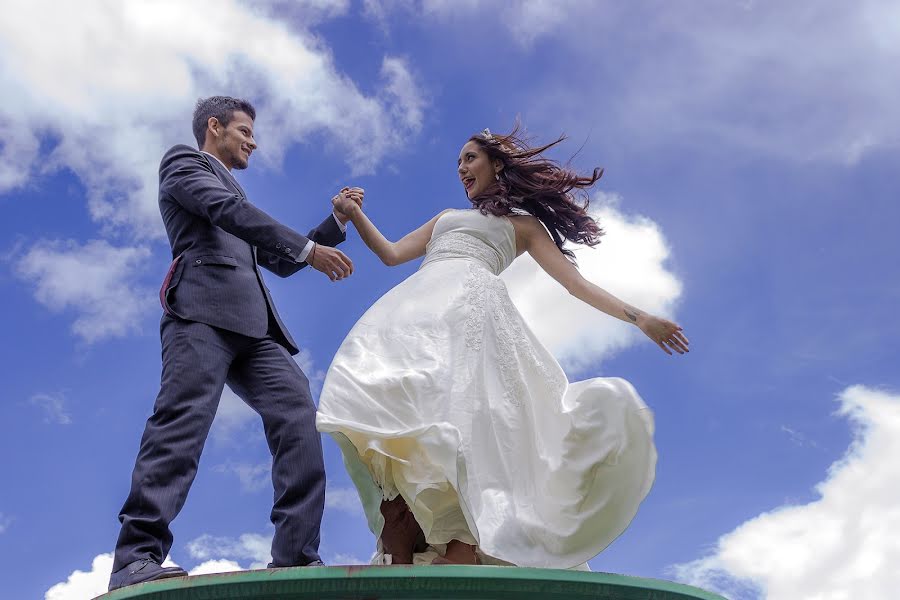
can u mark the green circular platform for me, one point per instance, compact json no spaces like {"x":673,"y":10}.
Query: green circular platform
{"x":401,"y":582}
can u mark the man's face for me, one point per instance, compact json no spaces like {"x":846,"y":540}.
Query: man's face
{"x":235,"y":142}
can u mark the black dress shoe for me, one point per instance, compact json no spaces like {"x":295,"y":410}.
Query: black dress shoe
{"x":140,"y":571}
{"x":315,"y":563}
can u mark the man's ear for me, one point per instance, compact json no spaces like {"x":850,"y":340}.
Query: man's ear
{"x":213,"y":126}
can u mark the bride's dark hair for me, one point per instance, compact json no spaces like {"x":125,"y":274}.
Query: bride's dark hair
{"x":539,"y":186}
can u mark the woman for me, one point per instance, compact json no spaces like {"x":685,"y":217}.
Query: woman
{"x":457,"y":426}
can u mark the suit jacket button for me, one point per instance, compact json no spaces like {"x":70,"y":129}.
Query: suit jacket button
{"x":287,"y":250}
{"x":278,"y":246}
{"x":198,"y":261}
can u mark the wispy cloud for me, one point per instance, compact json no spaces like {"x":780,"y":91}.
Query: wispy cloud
{"x":4,"y":522}
{"x":842,"y":545}
{"x":802,"y":81}
{"x":252,"y":477}
{"x":343,"y":499}
{"x":798,"y":438}
{"x":53,"y":406}
{"x":96,"y":281}
{"x":346,"y":559}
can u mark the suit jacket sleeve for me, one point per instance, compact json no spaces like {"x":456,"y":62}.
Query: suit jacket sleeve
{"x":327,"y":233}
{"x":187,"y":177}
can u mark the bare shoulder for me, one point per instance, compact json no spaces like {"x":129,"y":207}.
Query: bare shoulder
{"x":528,"y":228}
{"x":526,"y":223}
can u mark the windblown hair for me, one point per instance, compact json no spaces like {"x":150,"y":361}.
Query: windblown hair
{"x":539,"y":186}
{"x":220,"y":107}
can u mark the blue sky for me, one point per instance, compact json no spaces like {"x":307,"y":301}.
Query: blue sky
{"x":750,"y":151}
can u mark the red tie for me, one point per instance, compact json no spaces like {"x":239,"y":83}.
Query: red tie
{"x":165,"y":286}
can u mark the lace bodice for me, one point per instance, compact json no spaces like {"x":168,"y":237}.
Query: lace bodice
{"x":470,"y":235}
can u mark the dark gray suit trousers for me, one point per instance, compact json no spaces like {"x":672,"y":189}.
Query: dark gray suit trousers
{"x":197,"y":361}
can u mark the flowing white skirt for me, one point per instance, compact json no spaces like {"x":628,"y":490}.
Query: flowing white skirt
{"x":441,"y":393}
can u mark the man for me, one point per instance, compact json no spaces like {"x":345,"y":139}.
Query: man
{"x":220,"y":326}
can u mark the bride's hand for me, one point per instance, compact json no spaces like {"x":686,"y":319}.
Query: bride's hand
{"x":346,"y":202}
{"x":665,"y":333}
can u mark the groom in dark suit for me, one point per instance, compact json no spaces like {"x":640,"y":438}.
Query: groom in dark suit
{"x":220,"y":326}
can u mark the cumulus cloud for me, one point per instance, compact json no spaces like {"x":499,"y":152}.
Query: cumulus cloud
{"x":251,"y":547}
{"x":216,"y":566}
{"x":110,"y":125}
{"x":96,"y":281}
{"x":842,"y":545}
{"x":53,"y":406}
{"x":630,"y":262}
{"x":88,"y":584}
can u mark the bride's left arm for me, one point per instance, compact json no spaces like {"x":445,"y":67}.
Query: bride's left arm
{"x":533,"y":238}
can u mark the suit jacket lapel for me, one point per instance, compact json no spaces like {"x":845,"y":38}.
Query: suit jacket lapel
{"x":229,"y":181}
{"x":225,"y":175}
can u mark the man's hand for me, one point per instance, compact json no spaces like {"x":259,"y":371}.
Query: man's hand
{"x":347,"y":201}
{"x":330,"y":261}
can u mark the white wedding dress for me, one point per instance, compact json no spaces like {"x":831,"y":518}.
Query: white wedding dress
{"x":442,"y":394}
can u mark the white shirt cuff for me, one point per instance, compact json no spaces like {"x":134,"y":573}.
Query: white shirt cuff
{"x":306,"y":250}
{"x":338,"y":221}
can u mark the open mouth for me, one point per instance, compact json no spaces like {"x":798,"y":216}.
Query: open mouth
{"x":468,"y":182}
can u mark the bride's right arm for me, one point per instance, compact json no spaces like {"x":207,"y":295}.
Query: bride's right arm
{"x":409,"y":247}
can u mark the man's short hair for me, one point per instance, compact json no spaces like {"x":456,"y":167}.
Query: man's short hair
{"x":220,"y":107}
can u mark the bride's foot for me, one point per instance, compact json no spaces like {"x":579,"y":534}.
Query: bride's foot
{"x":457,"y":553}
{"x":401,"y":534}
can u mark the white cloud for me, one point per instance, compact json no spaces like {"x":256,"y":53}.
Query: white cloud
{"x":111,"y":124}
{"x":249,"y":546}
{"x":252,"y":477}
{"x":216,"y":566}
{"x":841,"y":546}
{"x":84,"y":584}
{"x":95,"y":280}
{"x":630,"y":262}
{"x":53,"y":406}
{"x":89,"y":584}
{"x":343,"y":499}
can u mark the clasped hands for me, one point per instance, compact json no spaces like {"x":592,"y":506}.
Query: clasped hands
{"x":331,"y":261}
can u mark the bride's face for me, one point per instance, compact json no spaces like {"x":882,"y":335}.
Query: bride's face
{"x":475,"y":169}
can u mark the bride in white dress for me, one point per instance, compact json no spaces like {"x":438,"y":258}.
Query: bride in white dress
{"x":460,"y":431}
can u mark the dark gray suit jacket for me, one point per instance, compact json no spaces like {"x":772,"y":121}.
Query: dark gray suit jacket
{"x":218,"y":241}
